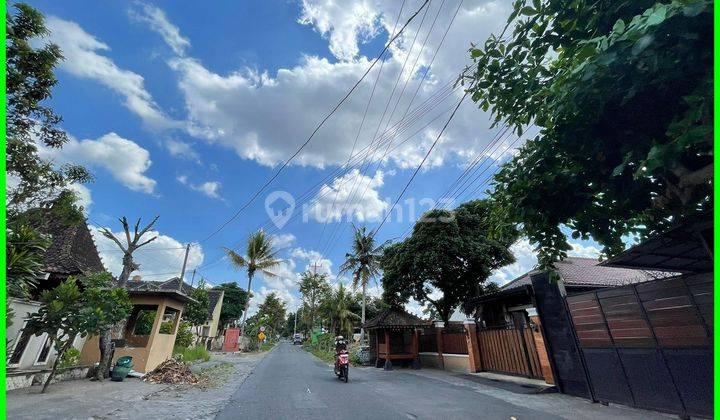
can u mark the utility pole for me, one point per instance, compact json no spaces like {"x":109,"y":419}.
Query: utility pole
{"x":182,"y":273}
{"x":295,"y":326}
{"x":192,"y":281}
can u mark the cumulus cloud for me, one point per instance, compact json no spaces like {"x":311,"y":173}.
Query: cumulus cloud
{"x":315,"y":260}
{"x":283,"y":240}
{"x":158,"y":22}
{"x":265,"y":117}
{"x":352,"y":196}
{"x":209,"y":188}
{"x":84,"y":197}
{"x":83,"y":59}
{"x":343,"y":23}
{"x":159,"y":260}
{"x":124,"y":159}
{"x":181,"y":149}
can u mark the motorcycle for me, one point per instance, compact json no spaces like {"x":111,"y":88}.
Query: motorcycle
{"x":342,"y":365}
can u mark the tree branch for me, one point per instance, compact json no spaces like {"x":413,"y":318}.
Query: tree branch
{"x":146,"y":242}
{"x":106,"y":233}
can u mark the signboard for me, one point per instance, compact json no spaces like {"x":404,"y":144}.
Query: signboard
{"x":262,"y":329}
{"x":261,"y":336}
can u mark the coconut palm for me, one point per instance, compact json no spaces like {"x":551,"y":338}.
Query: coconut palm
{"x":260,"y":257}
{"x":363,"y":262}
{"x":338,"y":306}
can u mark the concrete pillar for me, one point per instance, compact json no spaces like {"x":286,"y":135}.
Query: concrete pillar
{"x":473,"y":346}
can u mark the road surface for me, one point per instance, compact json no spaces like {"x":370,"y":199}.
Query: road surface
{"x":290,"y":383}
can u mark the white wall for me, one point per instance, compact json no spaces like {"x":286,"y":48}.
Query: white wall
{"x":22,"y":310}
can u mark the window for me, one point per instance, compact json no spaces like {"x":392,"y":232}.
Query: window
{"x":169,"y":321}
{"x":44,"y":351}
{"x":140,"y":325}
{"x":20,"y":346}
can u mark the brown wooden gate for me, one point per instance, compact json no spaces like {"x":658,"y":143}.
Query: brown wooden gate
{"x":509,"y":351}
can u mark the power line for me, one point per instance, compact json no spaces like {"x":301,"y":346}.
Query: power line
{"x":422,"y":80}
{"x":362,"y":122}
{"x":421,"y":163}
{"x":322,"y":122}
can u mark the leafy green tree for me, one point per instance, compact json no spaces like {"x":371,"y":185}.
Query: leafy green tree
{"x":313,"y":286}
{"x":25,"y":255}
{"x":260,"y":256}
{"x":622,"y":94}
{"x":68,"y":311}
{"x":338,"y":306}
{"x":233,"y":302}
{"x":272,"y":314}
{"x":29,"y":81}
{"x":196,"y":313}
{"x":364,"y":264}
{"x":449,"y":252}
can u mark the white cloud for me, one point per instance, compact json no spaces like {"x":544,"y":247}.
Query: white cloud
{"x":344,"y":23}
{"x":265,"y":117}
{"x":282,"y":240}
{"x":526,"y":260}
{"x":209,"y":188}
{"x":315,"y":260}
{"x":82,"y":59}
{"x":159,"y":23}
{"x":352,"y":196}
{"x":84,"y":197}
{"x":159,"y":260}
{"x":126,"y":161}
{"x":181,"y":149}
{"x":584,"y":251}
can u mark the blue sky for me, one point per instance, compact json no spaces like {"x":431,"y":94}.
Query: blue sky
{"x":182,"y":109}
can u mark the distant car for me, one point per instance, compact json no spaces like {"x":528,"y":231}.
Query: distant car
{"x":297,"y":339}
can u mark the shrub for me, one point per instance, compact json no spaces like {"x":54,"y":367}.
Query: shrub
{"x":192,"y":354}
{"x":184,"y":337}
{"x":70,"y":358}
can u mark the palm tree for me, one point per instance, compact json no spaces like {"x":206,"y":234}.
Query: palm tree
{"x":260,"y":256}
{"x":363,"y":262}
{"x":338,"y":306}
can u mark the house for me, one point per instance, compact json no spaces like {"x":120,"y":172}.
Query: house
{"x":508,"y":333}
{"x":150,"y":331}
{"x":513,"y":304}
{"x":72,"y":252}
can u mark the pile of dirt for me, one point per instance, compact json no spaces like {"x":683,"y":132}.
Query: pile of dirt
{"x":172,"y":371}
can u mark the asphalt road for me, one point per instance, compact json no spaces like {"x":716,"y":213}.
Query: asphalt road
{"x":290,"y":383}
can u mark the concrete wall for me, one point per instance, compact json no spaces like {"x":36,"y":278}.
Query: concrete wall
{"x":22,"y":310}
{"x":453,"y":362}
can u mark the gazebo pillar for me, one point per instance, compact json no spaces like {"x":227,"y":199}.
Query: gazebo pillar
{"x":388,"y":363}
{"x":415,"y":349}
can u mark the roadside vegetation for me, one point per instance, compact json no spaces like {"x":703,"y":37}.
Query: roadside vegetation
{"x":191,"y":354}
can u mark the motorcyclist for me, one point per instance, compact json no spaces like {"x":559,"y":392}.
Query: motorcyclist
{"x":340,"y":345}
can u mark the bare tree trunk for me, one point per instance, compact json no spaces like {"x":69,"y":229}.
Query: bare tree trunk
{"x":362,"y":317}
{"x":55,"y":364}
{"x":105,"y":344}
{"x":247,"y":305}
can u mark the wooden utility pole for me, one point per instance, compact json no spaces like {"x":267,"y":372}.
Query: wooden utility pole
{"x":182,"y":273}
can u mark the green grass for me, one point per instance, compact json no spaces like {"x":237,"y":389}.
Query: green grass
{"x":192,"y":354}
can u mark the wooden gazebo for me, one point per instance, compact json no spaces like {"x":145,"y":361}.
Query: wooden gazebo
{"x":394,"y":336}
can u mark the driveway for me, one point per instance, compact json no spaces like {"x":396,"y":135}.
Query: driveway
{"x":291,"y":383}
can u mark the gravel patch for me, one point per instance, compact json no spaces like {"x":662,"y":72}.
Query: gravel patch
{"x":136,"y":399}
